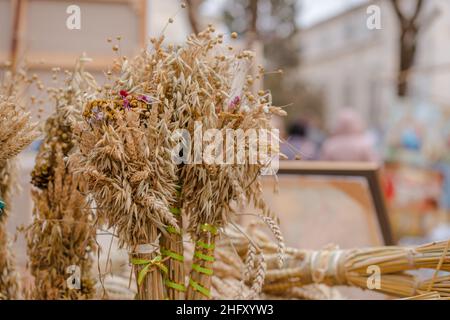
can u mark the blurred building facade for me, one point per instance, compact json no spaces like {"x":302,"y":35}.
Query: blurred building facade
{"x":356,"y":67}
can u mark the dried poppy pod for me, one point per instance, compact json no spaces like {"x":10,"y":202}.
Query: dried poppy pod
{"x":59,"y":135}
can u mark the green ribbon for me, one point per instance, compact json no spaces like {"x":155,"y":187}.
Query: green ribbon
{"x":174,"y":285}
{"x":172,"y":229}
{"x":203,"y":256}
{"x":155,"y":262}
{"x":201,"y":269}
{"x":175,"y":211}
{"x":204,"y":245}
{"x":199,"y":288}
{"x":172,"y":254}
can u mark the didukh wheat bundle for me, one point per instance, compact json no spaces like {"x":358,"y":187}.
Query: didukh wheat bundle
{"x":211,"y":92}
{"x":17,"y":131}
{"x":61,"y":238}
{"x":124,"y":156}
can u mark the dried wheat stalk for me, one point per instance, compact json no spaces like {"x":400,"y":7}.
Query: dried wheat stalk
{"x":125,"y":158}
{"x":16,"y":132}
{"x":426,"y":296}
{"x":62,"y":235}
{"x":209,"y":84}
{"x":126,"y":152}
{"x":9,"y":282}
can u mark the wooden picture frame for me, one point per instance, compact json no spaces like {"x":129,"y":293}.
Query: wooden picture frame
{"x":368,"y":171}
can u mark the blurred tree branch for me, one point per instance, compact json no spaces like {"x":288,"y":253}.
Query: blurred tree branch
{"x":274,"y":24}
{"x":252,"y":28}
{"x":192,"y":10}
{"x":410,"y":27}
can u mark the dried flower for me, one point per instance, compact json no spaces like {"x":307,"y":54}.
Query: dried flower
{"x":234,"y":103}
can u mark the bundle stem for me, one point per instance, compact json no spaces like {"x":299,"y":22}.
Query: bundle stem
{"x":201,"y":273}
{"x":9,"y":283}
{"x":151,"y":287}
{"x":172,"y":247}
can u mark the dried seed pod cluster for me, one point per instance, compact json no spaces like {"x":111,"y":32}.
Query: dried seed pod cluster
{"x":58,"y":135}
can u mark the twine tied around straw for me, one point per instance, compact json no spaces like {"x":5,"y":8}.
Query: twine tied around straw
{"x":326,"y":266}
{"x":411,"y":257}
{"x":439,"y":266}
{"x":148,"y":266}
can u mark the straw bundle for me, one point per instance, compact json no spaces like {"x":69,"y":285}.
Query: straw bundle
{"x":16,"y":128}
{"x":16,"y":132}
{"x":9,"y":284}
{"x":203,"y":83}
{"x":61,"y":239}
{"x":126,"y":154}
{"x":226,"y":281}
{"x":350,"y":267}
{"x":426,"y":296}
{"x":125,"y":158}
{"x":211,"y":90}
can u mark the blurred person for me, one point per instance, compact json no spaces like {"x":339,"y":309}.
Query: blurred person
{"x":298,"y":144}
{"x":350,"y":140}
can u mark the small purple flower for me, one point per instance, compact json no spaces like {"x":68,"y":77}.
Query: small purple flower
{"x":236,"y":100}
{"x":99,"y":116}
{"x":144,"y":99}
{"x":126,"y":104}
